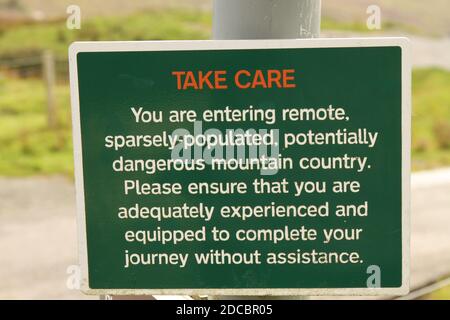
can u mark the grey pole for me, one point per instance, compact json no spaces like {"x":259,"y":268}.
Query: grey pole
{"x":265,"y":19}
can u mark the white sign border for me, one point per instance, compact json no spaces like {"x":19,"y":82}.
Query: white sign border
{"x":123,"y":46}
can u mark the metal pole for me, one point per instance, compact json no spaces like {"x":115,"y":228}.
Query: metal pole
{"x":265,"y":19}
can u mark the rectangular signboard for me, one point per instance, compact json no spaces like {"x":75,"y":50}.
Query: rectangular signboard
{"x":276,"y":167}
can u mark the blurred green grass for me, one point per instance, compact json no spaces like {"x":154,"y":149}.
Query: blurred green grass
{"x":441,"y":294}
{"x":430,"y":119}
{"x":29,"y":147}
{"x":168,"y":24}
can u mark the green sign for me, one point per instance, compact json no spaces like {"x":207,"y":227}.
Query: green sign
{"x":247,"y":167}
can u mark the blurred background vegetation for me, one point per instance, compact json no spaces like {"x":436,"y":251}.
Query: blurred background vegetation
{"x":29,"y":146}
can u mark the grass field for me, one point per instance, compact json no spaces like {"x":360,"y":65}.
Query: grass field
{"x":431,"y":119}
{"x":31,"y":39}
{"x":428,"y":18}
{"x":29,"y":147}
{"x":441,"y":294}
